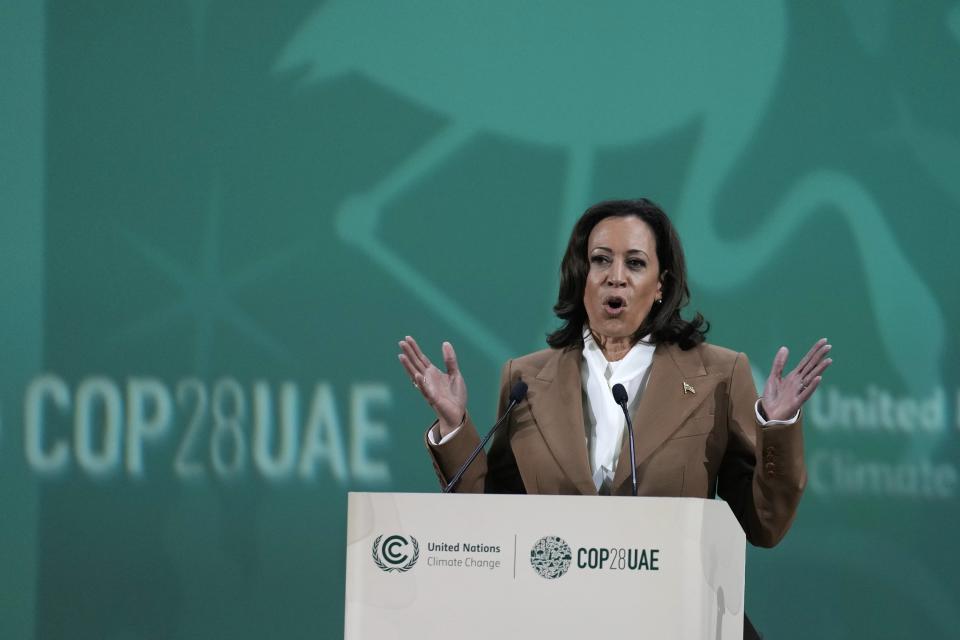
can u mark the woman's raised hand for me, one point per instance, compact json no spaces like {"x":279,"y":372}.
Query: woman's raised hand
{"x":784,"y":395}
{"x":446,"y":392}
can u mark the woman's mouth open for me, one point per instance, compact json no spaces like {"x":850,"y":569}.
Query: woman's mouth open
{"x":614,"y":305}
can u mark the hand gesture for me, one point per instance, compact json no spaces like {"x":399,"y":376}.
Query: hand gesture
{"x":446,"y":393}
{"x":783,"y":396}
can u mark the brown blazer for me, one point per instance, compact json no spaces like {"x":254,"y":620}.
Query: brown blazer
{"x":702,"y":443}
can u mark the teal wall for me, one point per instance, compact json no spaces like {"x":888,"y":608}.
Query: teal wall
{"x":218,"y":218}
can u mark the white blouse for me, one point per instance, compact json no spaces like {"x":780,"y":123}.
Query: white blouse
{"x":603,"y":418}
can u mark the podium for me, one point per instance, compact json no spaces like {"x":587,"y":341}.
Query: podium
{"x":441,"y":566}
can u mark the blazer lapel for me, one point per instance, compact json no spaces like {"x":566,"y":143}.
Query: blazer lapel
{"x":556,"y":403}
{"x":665,"y":405}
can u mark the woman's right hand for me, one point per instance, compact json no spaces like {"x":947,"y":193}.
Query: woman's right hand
{"x":446,"y":393}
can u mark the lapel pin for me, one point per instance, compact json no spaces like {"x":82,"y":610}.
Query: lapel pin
{"x":687,"y":388}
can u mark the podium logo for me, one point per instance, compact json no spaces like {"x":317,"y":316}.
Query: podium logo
{"x":397,"y":553}
{"x":550,"y":557}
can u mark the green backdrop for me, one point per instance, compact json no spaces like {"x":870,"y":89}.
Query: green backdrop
{"x":218,"y":218}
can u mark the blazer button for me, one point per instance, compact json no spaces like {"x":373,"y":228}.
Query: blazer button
{"x":769,"y":468}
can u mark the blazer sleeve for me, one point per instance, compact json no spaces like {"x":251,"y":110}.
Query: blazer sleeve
{"x":495,"y":472}
{"x":764,"y":497}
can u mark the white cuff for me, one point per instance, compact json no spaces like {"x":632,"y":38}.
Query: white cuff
{"x":434,"y":432}
{"x":770,"y":423}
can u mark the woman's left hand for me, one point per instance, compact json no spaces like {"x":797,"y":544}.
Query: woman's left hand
{"x":784,"y":395}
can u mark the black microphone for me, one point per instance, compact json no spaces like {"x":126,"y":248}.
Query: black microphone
{"x":620,"y":397}
{"x":517,"y":393}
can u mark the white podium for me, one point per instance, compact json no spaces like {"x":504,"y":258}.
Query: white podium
{"x":436,"y":567}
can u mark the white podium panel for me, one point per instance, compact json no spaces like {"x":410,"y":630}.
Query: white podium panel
{"x":436,"y":567}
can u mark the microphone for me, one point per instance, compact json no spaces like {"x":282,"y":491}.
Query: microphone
{"x":517,"y":393}
{"x":620,"y":397}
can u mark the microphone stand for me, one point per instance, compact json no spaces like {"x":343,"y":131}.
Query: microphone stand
{"x":517,"y":393}
{"x":620,"y":397}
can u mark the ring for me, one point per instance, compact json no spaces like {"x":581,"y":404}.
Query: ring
{"x":803,"y":385}
{"x":416,"y":386}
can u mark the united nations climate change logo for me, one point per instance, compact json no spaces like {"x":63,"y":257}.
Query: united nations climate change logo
{"x":397,"y":553}
{"x":550,"y":557}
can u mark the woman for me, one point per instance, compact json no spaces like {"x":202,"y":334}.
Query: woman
{"x":699,"y":428}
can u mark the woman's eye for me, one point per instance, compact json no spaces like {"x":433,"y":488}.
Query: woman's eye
{"x":636,"y":264}
{"x":599,"y":259}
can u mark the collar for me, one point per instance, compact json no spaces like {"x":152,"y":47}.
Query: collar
{"x":635,"y":363}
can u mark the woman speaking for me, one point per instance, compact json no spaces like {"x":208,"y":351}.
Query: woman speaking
{"x":699,"y":429}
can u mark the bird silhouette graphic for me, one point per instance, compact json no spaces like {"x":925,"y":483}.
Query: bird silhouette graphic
{"x":583,"y":77}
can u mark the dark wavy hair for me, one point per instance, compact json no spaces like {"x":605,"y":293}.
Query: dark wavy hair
{"x":663,"y":323}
